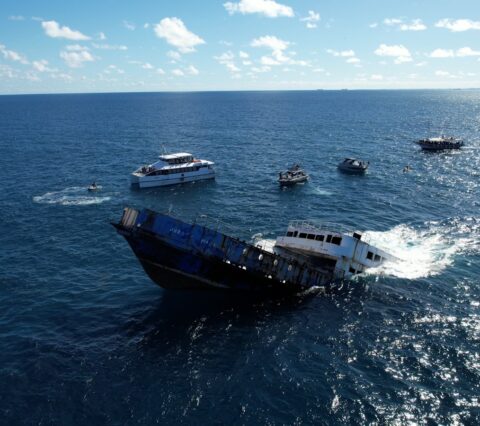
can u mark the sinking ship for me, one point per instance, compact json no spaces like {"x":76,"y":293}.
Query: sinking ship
{"x":180,"y":255}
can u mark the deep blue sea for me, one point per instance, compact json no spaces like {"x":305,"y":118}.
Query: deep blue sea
{"x":87,"y":338}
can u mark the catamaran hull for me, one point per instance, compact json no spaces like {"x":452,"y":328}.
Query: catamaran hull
{"x":156,"y":181}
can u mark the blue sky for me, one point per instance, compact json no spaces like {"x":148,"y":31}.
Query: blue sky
{"x":183,"y":45}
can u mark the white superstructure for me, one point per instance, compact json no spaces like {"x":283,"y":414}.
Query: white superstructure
{"x":340,"y":250}
{"x":172,"y":169}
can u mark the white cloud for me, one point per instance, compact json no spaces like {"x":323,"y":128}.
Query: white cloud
{"x":264,"y":68}
{"x":16,"y":18}
{"x":442,"y":53}
{"x":147,"y":66}
{"x":160,"y":71}
{"x":342,"y":53}
{"x":352,"y":61}
{"x":228,"y":60}
{"x":443,"y":73}
{"x":458,"y":25}
{"x":243,"y":55}
{"x":373,"y":25}
{"x":376,"y":77}
{"x":178,"y":72}
{"x":449,"y":53}
{"x":278,"y":47}
{"x":398,"y":51}
{"x":414,"y":25}
{"x":75,"y":56}
{"x":392,"y":21}
{"x":312,"y":19}
{"x":129,"y":25}
{"x":113,"y":68}
{"x":11,"y":55}
{"x":192,"y":70}
{"x":102,"y":36}
{"x":270,"y":42}
{"x":268,"y":8}
{"x":174,"y":31}
{"x":109,"y":46}
{"x":173,"y":54}
{"x":467,"y":51}
{"x":53,"y":29}
{"x":42,"y":66}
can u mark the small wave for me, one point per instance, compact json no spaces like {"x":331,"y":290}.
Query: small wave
{"x":425,"y":252}
{"x":72,"y":196}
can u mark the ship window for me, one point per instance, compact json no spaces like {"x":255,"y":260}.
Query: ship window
{"x":336,"y":240}
{"x":311,"y":236}
{"x":377,"y":258}
{"x":329,"y":238}
{"x":260,"y":257}
{"x":302,"y":235}
{"x":319,"y":237}
{"x":289,"y":234}
{"x":295,"y":233}
{"x":352,"y":271}
{"x":370,"y":255}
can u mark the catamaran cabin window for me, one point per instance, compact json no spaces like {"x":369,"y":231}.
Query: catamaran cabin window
{"x":352,"y":271}
{"x":370,"y":255}
{"x":289,"y":234}
{"x":319,"y":238}
{"x":329,"y":238}
{"x":377,"y":258}
{"x":336,"y":240}
{"x":311,"y":236}
{"x":295,"y":233}
{"x":302,"y":235}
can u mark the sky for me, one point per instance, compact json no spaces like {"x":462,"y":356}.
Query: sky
{"x":202,"y":45}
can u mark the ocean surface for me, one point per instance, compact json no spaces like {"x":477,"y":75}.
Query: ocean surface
{"x":87,"y":338}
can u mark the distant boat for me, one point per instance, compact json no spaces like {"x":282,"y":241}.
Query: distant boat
{"x":172,"y":169}
{"x":292,"y":176}
{"x":440,"y":143}
{"x":353,"y":165}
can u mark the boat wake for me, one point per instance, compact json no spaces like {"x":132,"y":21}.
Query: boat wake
{"x":426,"y":252}
{"x":72,"y":196}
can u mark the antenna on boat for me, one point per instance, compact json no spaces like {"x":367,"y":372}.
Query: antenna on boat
{"x":164,"y":150}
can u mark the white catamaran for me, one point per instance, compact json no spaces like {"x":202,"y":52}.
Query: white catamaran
{"x":172,"y":169}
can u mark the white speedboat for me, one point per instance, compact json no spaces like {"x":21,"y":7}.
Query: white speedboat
{"x":353,"y":165}
{"x":331,"y":247}
{"x":293,"y":175}
{"x":172,"y":169}
{"x":441,"y":143}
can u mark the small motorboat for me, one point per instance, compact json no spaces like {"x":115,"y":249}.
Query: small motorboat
{"x":292,"y":176}
{"x":353,"y":165}
{"x":440,"y":144}
{"x":93,"y":187}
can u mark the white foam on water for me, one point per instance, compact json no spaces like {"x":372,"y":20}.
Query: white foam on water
{"x":320,"y":191}
{"x":72,"y":196}
{"x":425,"y":252}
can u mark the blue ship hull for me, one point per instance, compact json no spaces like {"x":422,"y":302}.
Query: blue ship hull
{"x":179,"y":255}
